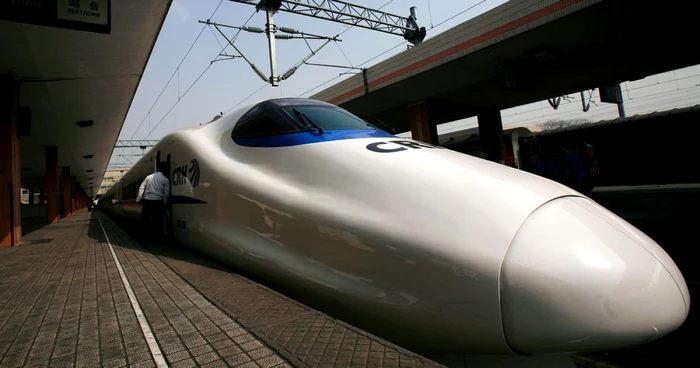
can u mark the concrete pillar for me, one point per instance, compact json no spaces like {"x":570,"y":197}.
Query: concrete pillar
{"x":73,"y":203}
{"x":491,"y":134}
{"x":10,"y":193}
{"x":66,"y":191}
{"x":52,"y":184}
{"x":421,"y":128}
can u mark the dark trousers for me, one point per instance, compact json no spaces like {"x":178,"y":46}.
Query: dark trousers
{"x":152,"y":213}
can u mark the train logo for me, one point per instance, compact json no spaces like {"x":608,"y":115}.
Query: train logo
{"x":180,"y":174}
{"x":404,"y":145}
{"x":194,"y":173}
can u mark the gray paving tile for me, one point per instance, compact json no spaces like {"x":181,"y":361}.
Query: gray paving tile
{"x":207,"y":358}
{"x":37,"y":362}
{"x":120,"y":362}
{"x":16,"y":359}
{"x":137,"y":358}
{"x":216,"y":337}
{"x":187,"y":363}
{"x":143,"y":364}
{"x":89,"y":357}
{"x":112,"y":352}
{"x":65,"y":360}
{"x":238,"y":359}
{"x":223,"y":344}
{"x":199,"y":350}
{"x":63,"y":351}
{"x":215,"y":364}
{"x":177,"y":356}
{"x":260,"y":353}
{"x":137,"y":350}
{"x":173,"y":348}
{"x":135,"y":341}
{"x":195,"y":342}
{"x":248,"y":365}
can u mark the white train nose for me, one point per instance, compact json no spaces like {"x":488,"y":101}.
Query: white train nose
{"x":576,"y":278}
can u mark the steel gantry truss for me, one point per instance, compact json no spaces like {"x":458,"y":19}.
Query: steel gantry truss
{"x":332,"y":10}
{"x":350,"y":14}
{"x":143,"y":144}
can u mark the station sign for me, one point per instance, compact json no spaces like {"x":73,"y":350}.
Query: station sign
{"x":81,"y":15}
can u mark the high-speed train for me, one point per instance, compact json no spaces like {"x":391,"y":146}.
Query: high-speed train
{"x":465,"y":255}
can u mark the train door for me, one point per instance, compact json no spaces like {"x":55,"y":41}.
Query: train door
{"x":168,"y":226}
{"x":118,"y":205}
{"x":179,"y":184}
{"x":167,"y":218}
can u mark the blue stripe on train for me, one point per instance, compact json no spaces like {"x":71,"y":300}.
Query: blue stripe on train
{"x":296,"y":139}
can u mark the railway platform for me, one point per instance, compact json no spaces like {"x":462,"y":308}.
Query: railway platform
{"x":83,"y":292}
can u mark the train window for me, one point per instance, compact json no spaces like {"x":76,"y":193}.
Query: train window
{"x":256,"y":109}
{"x":329,"y":118}
{"x":263,"y":125}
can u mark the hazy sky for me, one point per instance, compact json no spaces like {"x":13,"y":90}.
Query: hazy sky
{"x":227,"y":83}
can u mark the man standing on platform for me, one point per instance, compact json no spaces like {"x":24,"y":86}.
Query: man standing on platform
{"x":153,"y":195}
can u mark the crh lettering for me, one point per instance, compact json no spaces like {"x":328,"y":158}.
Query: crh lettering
{"x":391,"y":146}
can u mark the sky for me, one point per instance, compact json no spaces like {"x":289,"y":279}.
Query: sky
{"x":228,"y":83}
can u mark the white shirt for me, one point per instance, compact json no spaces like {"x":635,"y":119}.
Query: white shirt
{"x":155,"y":187}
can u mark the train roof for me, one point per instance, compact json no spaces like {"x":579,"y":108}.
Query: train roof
{"x":262,"y":105}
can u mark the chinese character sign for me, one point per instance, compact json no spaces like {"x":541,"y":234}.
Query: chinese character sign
{"x":85,"y":11}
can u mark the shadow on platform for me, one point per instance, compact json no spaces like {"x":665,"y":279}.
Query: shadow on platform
{"x":32,"y":224}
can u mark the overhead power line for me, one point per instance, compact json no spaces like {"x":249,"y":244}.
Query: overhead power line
{"x":198,"y":78}
{"x":176,"y":71}
{"x":246,"y":98}
{"x":394,"y":47}
{"x":458,"y":14}
{"x":358,"y":66}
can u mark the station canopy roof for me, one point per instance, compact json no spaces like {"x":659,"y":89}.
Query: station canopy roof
{"x":76,"y":61}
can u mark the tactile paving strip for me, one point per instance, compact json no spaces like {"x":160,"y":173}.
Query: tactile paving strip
{"x":254,"y":306}
{"x":319,"y":341}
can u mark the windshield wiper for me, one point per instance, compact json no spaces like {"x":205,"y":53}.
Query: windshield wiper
{"x":376,"y":122}
{"x":301,"y":117}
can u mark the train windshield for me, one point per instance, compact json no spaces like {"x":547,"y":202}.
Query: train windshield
{"x":274,"y":118}
{"x":328,"y":118}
